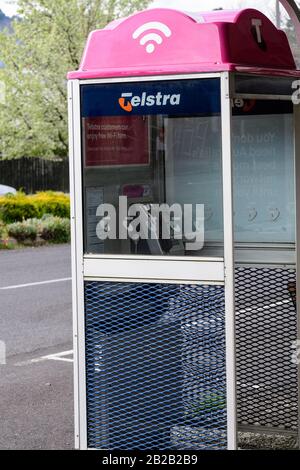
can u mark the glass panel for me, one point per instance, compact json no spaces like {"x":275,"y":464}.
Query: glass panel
{"x":264,"y":172}
{"x":265,"y":284}
{"x":152,"y":169}
{"x":256,"y":85}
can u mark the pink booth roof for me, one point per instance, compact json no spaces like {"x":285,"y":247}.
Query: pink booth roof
{"x":163,"y":41}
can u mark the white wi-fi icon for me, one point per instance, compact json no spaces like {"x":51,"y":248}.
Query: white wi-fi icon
{"x":151,"y":38}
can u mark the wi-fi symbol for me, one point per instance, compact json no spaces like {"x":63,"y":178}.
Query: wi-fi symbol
{"x":151,"y":39}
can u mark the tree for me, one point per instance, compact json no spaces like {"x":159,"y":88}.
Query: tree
{"x":280,"y":18}
{"x":291,"y":34}
{"x":4,"y":21}
{"x":47,"y":41}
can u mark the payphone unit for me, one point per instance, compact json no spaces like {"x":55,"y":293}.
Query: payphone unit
{"x":183,"y":138}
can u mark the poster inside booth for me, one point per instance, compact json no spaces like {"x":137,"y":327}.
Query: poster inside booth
{"x":116,"y":141}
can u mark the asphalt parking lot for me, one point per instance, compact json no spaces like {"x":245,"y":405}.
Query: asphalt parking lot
{"x":36,"y":396}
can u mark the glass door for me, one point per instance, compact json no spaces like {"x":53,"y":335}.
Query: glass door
{"x":156,"y":331}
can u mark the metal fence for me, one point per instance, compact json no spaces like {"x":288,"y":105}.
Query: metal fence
{"x":155,"y":361}
{"x":35,"y":174}
{"x":266,"y":326}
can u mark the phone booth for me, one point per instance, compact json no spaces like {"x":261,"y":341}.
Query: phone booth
{"x":183,"y":136}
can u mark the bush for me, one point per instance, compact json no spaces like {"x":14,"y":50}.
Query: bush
{"x":50,"y":229}
{"x":19,"y":207}
{"x":3,"y":231}
{"x":23,"y":231}
{"x":55,"y":230}
{"x":15,"y":208}
{"x":57,"y":204}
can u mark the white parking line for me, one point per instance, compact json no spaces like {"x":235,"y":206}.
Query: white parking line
{"x":21,"y":286}
{"x":60,"y":356}
{"x":264,"y":307}
{"x":50,"y":357}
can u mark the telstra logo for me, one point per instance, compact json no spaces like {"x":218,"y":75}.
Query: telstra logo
{"x":128,"y":101}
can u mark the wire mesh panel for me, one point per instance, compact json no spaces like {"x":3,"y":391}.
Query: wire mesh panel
{"x":266,"y":326}
{"x":155,"y":361}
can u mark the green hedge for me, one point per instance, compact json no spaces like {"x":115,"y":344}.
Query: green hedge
{"x":50,"y":229}
{"x":3,"y":230}
{"x":23,"y":231}
{"x":55,"y":230}
{"x":19,"y":207}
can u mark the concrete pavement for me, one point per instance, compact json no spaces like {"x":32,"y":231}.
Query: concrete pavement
{"x":36,"y":396}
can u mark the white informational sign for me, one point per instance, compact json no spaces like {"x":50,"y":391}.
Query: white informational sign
{"x":264,"y":178}
{"x":94,"y":197}
{"x":263,"y":154}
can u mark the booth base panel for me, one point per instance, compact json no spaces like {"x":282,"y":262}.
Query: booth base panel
{"x":266,"y":328}
{"x":155,"y":362}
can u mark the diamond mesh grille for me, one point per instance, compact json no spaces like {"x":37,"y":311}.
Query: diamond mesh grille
{"x":155,"y":360}
{"x":266,"y":326}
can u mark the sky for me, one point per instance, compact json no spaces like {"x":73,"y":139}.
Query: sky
{"x":266,"y":6}
{"x":9,"y":6}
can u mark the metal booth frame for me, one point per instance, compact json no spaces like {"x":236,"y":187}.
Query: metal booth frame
{"x":82,"y":271}
{"x":177,"y":270}
{"x":250,"y":75}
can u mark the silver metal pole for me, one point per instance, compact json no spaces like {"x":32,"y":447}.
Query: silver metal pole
{"x":77,"y":267}
{"x":297,"y":172}
{"x":226,"y":112}
{"x":74,"y":273}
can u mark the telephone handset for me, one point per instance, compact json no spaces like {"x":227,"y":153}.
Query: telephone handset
{"x":157,"y":245}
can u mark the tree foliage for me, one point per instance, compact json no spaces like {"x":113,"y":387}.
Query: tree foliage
{"x":47,"y":41}
{"x":294,"y":43}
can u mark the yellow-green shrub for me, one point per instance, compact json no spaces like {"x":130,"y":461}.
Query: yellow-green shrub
{"x":49,"y":202}
{"x":19,"y":207}
{"x":15,"y":208}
